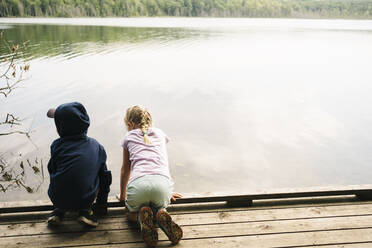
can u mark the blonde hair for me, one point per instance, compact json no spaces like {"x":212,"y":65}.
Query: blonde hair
{"x":141,"y":118}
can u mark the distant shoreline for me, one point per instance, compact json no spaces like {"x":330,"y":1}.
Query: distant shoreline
{"x":186,"y":17}
{"x":314,"y":9}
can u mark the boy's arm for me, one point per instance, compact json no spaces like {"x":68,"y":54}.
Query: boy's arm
{"x":105,"y":179}
{"x":51,"y":166}
{"x":124,"y":175}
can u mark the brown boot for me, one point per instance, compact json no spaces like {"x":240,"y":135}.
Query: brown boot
{"x":148,"y":230}
{"x":169,"y":227}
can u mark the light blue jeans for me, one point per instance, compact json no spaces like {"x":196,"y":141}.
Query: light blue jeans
{"x":149,"y":190}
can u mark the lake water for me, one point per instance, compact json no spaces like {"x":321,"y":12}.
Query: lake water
{"x":249,"y":104}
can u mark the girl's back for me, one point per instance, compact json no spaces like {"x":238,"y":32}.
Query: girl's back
{"x":147,"y":159}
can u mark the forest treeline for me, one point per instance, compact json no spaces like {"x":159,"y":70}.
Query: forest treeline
{"x":212,"y":8}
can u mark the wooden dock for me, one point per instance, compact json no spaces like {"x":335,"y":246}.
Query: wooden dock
{"x":293,"y":218}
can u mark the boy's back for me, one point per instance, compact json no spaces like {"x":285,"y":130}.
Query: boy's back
{"x":77,"y":167}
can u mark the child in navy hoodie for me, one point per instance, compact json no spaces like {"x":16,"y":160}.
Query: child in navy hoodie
{"x":77,"y":167}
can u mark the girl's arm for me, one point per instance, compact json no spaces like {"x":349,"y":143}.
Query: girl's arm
{"x":124,"y":175}
{"x":175,"y":196}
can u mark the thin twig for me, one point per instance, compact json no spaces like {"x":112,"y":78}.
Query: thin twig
{"x":14,"y":132}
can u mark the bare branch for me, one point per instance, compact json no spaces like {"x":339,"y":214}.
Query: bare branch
{"x":14,"y":77}
{"x":14,"y":132}
{"x":10,"y":178}
{"x":10,"y":175}
{"x":11,"y":120}
{"x":10,"y":65}
{"x":6,"y":90}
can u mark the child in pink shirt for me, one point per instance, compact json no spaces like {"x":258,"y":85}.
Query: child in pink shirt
{"x":145,"y":182}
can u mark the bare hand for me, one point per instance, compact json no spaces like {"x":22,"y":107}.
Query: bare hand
{"x":175,"y":196}
{"x":120,"y":198}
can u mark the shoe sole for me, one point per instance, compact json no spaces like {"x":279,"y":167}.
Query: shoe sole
{"x":148,"y":230}
{"x":170,"y":228}
{"x":88,"y":222}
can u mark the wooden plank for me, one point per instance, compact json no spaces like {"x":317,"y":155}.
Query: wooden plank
{"x":346,"y":245}
{"x":364,"y":190}
{"x":35,"y":217}
{"x":258,"y":229}
{"x":283,"y":241}
{"x":235,"y":199}
{"x":268,"y":204}
{"x":299,"y":239}
{"x":336,"y":239}
{"x":217,"y":217}
{"x":234,"y":242}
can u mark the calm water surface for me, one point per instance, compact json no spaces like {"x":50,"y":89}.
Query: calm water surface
{"x":249,"y":104}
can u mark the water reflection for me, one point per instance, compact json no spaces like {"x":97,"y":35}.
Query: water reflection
{"x":71,"y":41}
{"x":246,"y":109}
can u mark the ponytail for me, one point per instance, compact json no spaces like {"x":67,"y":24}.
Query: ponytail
{"x":146,"y":137}
{"x":146,"y":121}
{"x":142,"y":119}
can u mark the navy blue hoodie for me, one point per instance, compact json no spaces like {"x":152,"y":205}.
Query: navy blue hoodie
{"x":77,"y":166}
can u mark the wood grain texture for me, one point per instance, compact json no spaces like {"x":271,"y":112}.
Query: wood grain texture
{"x":329,"y":224}
{"x":363,"y":191}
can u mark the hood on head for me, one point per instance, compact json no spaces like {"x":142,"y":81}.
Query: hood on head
{"x":71,"y":119}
